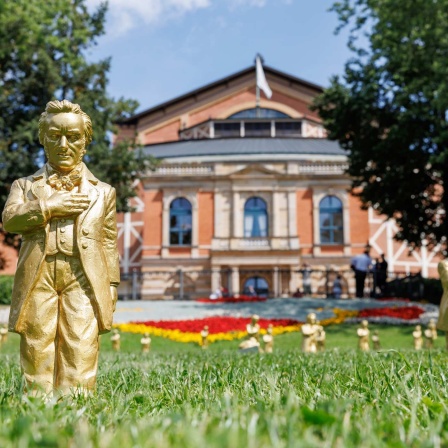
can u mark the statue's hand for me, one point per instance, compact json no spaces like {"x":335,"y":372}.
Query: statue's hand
{"x":114,"y":294}
{"x":64,"y":203}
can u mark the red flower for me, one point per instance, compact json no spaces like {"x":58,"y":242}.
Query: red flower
{"x":403,"y":312}
{"x":216,"y":324}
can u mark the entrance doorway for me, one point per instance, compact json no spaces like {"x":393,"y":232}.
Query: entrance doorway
{"x":256,"y":285}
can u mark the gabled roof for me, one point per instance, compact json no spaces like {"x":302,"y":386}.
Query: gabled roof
{"x":268,"y":71}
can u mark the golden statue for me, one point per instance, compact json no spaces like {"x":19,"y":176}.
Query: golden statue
{"x":3,"y":334}
{"x":442,"y":323}
{"x":376,"y":340}
{"x":430,"y":334}
{"x":320,"y":339}
{"x":268,"y":340}
{"x":253,"y":333}
{"x":253,"y":328}
{"x":310,"y":331}
{"x":65,"y":287}
{"x":418,"y":339}
{"x":116,"y":340}
{"x":433,"y":327}
{"x":204,"y":337}
{"x":363,"y":336}
{"x":145,"y":341}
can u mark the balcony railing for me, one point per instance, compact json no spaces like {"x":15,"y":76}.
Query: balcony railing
{"x":258,"y":243}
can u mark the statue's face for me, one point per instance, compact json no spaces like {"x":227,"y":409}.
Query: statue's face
{"x":64,"y":141}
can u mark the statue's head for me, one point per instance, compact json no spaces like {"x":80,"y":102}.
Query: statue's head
{"x":311,"y":318}
{"x":255,"y":318}
{"x":270,"y":328}
{"x":64,"y":131}
{"x":365,"y":323}
{"x":206,"y":327}
{"x":418,"y":327}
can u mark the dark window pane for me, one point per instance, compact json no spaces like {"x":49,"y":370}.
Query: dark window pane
{"x":260,"y":129}
{"x":288,"y":129}
{"x":174,"y":238}
{"x":337,"y":219}
{"x":186,"y":238}
{"x":227,"y":129}
{"x":338,"y":236}
{"x":325,"y":236}
{"x":260,"y":112}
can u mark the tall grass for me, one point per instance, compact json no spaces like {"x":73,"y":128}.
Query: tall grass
{"x":180,"y":396}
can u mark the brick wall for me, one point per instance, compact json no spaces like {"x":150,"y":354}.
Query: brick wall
{"x":206,"y":219}
{"x":152,"y":233}
{"x":305,"y":218}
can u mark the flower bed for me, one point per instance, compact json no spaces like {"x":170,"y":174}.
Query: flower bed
{"x":402,"y":312}
{"x":237,"y":299}
{"x":221,"y":328}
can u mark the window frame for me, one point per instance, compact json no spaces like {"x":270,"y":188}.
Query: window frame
{"x":178,"y":230}
{"x":255,"y":212}
{"x":332,"y":228}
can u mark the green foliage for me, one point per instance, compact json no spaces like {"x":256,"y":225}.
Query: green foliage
{"x":180,"y":395}
{"x":389,"y":111}
{"x":44,"y":49}
{"x":6,"y":282}
{"x":433,"y":290}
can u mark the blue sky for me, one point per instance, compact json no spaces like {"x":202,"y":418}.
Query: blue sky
{"x":163,"y":48}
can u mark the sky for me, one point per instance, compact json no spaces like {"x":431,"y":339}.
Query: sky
{"x":161,"y":49}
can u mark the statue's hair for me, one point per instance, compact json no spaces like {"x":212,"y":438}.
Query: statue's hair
{"x":60,"y":107}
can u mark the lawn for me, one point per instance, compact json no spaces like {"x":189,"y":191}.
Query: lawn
{"x":181,"y":396}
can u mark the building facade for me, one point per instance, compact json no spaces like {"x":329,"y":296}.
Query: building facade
{"x":245,"y":195}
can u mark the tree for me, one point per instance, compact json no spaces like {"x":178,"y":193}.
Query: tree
{"x":44,"y":48}
{"x":390,"y":112}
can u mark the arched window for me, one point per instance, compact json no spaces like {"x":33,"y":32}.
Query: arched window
{"x":260,"y":113}
{"x":255,"y":218}
{"x":180,"y":222}
{"x":256,"y":286}
{"x":330,"y":221}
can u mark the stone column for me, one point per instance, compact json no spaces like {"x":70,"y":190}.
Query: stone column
{"x":292,"y":214}
{"x":276,"y":282}
{"x":216,"y":278}
{"x":165,"y":226}
{"x":237,"y":231}
{"x":275,"y":213}
{"x":235,"y":280}
{"x":194,"y":226}
{"x":293,"y":281}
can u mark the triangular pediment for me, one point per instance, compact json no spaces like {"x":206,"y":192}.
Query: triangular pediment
{"x":255,"y":170}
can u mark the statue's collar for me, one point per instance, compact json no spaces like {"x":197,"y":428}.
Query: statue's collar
{"x":43,"y":173}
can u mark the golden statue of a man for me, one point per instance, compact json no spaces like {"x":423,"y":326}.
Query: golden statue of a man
{"x":204,"y":337}
{"x":442,"y":322}
{"x":268,"y":339}
{"x":65,"y":287}
{"x":417,"y":334}
{"x":363,"y":336}
{"x":310,"y":332}
{"x":145,"y":342}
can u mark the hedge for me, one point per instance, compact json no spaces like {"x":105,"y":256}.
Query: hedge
{"x":6,"y":282}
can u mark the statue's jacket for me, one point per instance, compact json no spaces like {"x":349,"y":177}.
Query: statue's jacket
{"x":96,"y":238}
{"x":442,"y":323}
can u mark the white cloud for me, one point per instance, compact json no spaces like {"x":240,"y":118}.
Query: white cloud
{"x":123,"y":15}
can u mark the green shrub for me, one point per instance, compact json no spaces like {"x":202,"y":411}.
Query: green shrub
{"x":432,"y":290}
{"x":6,"y":282}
